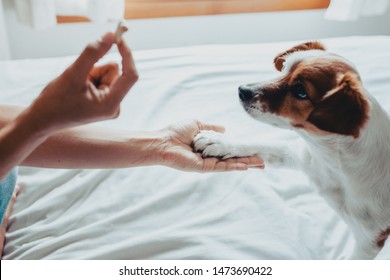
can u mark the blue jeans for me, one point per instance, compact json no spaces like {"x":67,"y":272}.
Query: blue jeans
{"x":7,"y":186}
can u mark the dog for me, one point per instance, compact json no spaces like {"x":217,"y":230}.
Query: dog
{"x":346,"y":133}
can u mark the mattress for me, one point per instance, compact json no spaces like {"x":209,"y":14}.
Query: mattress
{"x":161,"y":213}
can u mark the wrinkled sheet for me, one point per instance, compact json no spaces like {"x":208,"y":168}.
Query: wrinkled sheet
{"x":161,"y":213}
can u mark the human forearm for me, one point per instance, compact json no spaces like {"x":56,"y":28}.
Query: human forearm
{"x":97,"y":147}
{"x":81,"y":147}
{"x":94,"y":147}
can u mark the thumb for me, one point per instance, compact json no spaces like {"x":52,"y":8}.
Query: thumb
{"x":215,"y":127}
{"x":92,"y":54}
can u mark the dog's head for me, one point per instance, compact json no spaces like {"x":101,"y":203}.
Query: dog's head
{"x":318,"y":92}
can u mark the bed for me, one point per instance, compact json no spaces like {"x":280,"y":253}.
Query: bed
{"x":161,"y":213}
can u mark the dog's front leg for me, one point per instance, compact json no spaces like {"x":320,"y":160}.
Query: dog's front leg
{"x":364,"y":251}
{"x":215,"y":144}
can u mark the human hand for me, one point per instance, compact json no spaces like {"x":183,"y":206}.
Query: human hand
{"x":177,"y":151}
{"x":86,"y":93}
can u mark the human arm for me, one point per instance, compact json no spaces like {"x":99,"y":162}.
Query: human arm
{"x":83,"y":93}
{"x":102,"y":147}
{"x":91,"y":146}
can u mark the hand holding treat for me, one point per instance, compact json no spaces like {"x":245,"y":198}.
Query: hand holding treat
{"x":84,"y":92}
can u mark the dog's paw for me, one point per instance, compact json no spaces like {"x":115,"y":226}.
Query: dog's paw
{"x":214,"y":144}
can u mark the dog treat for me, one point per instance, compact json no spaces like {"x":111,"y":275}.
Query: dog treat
{"x":119,"y":31}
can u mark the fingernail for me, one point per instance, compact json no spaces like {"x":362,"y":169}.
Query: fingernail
{"x":105,"y":89}
{"x":260,"y":166}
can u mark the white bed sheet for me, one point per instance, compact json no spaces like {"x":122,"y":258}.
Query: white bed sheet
{"x":161,"y":213}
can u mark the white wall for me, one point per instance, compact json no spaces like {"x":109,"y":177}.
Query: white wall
{"x":68,"y":39}
{"x":4,"y":49}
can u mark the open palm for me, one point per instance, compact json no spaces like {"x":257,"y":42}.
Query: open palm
{"x":178,"y":151}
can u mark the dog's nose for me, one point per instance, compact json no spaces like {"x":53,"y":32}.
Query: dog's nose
{"x":245,"y":93}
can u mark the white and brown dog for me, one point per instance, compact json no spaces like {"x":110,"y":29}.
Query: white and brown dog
{"x":346,"y":151}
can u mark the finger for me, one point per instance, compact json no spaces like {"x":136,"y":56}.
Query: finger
{"x":92,"y":54}
{"x":215,"y":165}
{"x":251,"y":162}
{"x":230,"y":166}
{"x":129,"y":73}
{"x":92,"y":88}
{"x":128,"y":65}
{"x":104,"y":75}
{"x":217,"y":128}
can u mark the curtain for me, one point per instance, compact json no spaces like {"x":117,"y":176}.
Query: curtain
{"x":347,"y":10}
{"x":41,"y":14}
{"x":4,"y":46}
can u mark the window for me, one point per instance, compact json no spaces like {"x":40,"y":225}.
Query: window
{"x":170,"y":8}
{"x":137,"y":9}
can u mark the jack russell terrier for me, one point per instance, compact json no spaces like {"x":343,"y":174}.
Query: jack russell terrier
{"x":346,"y":133}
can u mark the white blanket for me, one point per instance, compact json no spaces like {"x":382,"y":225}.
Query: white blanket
{"x":161,"y":213}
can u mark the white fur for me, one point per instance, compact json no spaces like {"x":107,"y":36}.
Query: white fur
{"x":293,"y":58}
{"x":353,"y":175}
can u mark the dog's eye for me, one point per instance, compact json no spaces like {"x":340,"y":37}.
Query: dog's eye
{"x":299,"y":92}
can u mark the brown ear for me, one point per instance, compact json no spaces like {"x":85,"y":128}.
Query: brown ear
{"x":279,"y":59}
{"x":344,"y":110}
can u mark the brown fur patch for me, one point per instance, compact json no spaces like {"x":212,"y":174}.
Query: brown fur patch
{"x":323,"y":73}
{"x":279,"y":59}
{"x":381,"y":239}
{"x":295,"y":110}
{"x":344,"y":110}
{"x":335,"y":101}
